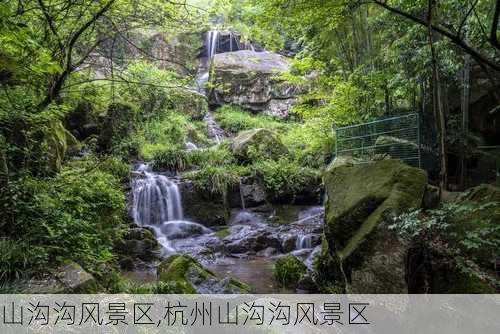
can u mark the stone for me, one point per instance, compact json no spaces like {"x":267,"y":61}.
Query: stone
{"x":76,"y":280}
{"x":202,"y":207}
{"x":188,"y":277}
{"x":139,"y":244}
{"x":263,"y":142}
{"x":251,"y":80}
{"x":359,"y":252}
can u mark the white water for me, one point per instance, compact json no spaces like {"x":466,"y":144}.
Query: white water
{"x":212,"y":43}
{"x":157,"y":205}
{"x":303,"y":242}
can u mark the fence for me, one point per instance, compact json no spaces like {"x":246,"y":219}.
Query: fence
{"x":397,"y":137}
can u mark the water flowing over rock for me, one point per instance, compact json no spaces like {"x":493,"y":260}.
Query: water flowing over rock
{"x":157,"y":205}
{"x":250,"y":79}
{"x":156,"y":198}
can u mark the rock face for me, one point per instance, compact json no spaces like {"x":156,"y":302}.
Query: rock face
{"x":138,"y":248}
{"x":259,"y":141}
{"x":359,"y":250}
{"x":202,"y":207}
{"x":69,"y":278}
{"x":249,"y":79}
{"x":189,"y":276}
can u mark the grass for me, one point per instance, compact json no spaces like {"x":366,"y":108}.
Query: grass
{"x":234,"y":119}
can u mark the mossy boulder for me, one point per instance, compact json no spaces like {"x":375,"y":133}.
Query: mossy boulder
{"x":188,"y":276}
{"x":252,"y":80}
{"x":203,"y":207}
{"x":360,"y":252}
{"x":288,"y":271}
{"x":258,"y":143}
{"x":139,"y":246}
{"x":59,"y":142}
{"x":67,"y":279}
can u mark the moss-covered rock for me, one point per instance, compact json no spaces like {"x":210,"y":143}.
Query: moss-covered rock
{"x":203,"y":207}
{"x":139,"y":246}
{"x":59,"y":142}
{"x":251,"y":80}
{"x":360,"y":199}
{"x":259,"y":142}
{"x":188,"y":276}
{"x":289,"y":270}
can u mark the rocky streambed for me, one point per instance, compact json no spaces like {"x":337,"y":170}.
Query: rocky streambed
{"x":244,"y":248}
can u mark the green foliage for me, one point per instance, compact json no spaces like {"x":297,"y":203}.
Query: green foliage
{"x":465,"y":230}
{"x":289,"y":270}
{"x":76,"y":215}
{"x":216,"y":179}
{"x":234,"y":119}
{"x":284,"y":178}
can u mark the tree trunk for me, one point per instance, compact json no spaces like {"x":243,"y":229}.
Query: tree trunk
{"x":438,"y":105}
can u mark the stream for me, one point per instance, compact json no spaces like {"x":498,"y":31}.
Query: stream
{"x":252,"y":241}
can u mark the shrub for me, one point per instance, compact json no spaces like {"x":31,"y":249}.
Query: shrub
{"x":76,"y":215}
{"x":216,"y":179}
{"x":284,"y":178}
{"x":234,"y":119}
{"x":289,"y":270}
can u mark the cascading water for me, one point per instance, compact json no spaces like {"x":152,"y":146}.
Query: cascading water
{"x":303,"y":242}
{"x":157,"y":205}
{"x":212,"y":43}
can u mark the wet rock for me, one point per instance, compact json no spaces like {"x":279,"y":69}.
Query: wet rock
{"x":289,"y":243}
{"x":182,"y":229}
{"x":250,"y":240}
{"x":263,"y":142}
{"x":139,"y":245}
{"x":252,"y":192}
{"x":75,"y":279}
{"x":250,"y":79}
{"x":202,"y":207}
{"x":360,"y":251}
{"x":188,"y":276}
{"x":307,"y":284}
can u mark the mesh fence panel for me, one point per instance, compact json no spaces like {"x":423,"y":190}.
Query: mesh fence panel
{"x":397,"y":137}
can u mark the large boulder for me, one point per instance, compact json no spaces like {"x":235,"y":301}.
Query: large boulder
{"x":188,"y":276}
{"x":262,"y":142}
{"x":250,"y":79}
{"x":202,"y":207}
{"x":138,"y":248}
{"x":68,"y":278}
{"x":359,"y":251}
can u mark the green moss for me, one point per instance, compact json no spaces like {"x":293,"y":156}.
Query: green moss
{"x":258,"y":144}
{"x":289,"y":270}
{"x":223,"y":233}
{"x":175,"y":270}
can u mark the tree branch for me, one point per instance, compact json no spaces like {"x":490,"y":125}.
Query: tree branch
{"x":453,"y":38}
{"x":68,"y":66}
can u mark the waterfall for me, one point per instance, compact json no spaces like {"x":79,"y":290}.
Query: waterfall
{"x":212,"y":43}
{"x":156,"y":199}
{"x":303,"y":242}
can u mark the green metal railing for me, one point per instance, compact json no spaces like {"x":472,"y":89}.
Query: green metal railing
{"x":397,"y":137}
